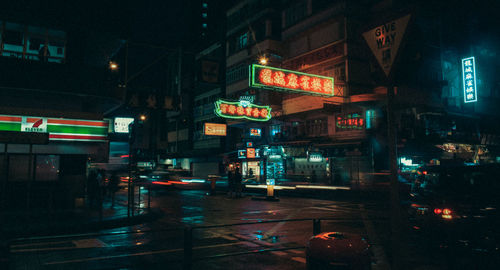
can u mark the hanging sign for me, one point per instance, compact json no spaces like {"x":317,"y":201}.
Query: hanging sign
{"x":469,"y":79}
{"x":278,"y":79}
{"x":255,"y":132}
{"x":349,"y":121}
{"x":215,"y":129}
{"x":384,"y":41}
{"x":242,"y":110}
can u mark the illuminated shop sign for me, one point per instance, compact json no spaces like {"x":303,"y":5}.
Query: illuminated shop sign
{"x":469,"y":79}
{"x":349,"y":122}
{"x":255,"y":132}
{"x":315,"y":157}
{"x":250,"y":152}
{"x":215,"y":129}
{"x":59,"y":129}
{"x":249,"y":144}
{"x":242,"y":110}
{"x":287,"y":80}
{"x":121,"y":124}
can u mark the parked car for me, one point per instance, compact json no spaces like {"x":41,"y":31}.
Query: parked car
{"x":457,"y":208}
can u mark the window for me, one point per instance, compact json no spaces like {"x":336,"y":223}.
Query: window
{"x":204,"y":5}
{"x":295,"y":13}
{"x":243,"y":41}
{"x":204,"y":15}
{"x":47,"y":168}
{"x":13,"y":38}
{"x":204,"y":25}
{"x":275,"y":129}
{"x":18,"y":168}
{"x":237,"y":73}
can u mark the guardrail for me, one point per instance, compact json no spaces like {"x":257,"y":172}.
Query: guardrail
{"x":187,"y":241}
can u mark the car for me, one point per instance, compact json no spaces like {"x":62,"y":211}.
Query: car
{"x":457,"y":209}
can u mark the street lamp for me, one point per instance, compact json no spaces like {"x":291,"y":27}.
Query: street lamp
{"x":263,"y":60}
{"x":113,"y":66}
{"x":142,"y":117}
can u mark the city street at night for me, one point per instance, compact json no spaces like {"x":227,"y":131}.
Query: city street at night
{"x":250,"y":134}
{"x":221,"y":237}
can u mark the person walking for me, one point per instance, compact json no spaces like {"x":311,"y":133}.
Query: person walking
{"x":113,"y":187}
{"x":237,"y":182}
{"x":92,"y":188}
{"x":230,"y":183}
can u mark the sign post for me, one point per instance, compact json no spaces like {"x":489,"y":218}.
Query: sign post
{"x":384,"y":41}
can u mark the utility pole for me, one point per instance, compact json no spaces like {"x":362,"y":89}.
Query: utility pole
{"x":386,"y":54}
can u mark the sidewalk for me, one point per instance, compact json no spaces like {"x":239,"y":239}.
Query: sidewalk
{"x":38,"y":222}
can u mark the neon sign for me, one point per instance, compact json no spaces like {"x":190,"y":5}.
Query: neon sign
{"x":242,"y":110}
{"x":287,"y":80}
{"x":255,"y":132}
{"x":469,"y":79}
{"x":349,"y":121}
{"x":250,"y":152}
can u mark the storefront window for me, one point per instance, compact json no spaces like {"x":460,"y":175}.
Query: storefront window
{"x":47,"y":168}
{"x":19,"y":168}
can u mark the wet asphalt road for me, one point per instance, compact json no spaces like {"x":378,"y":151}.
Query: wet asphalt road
{"x":159,"y":244}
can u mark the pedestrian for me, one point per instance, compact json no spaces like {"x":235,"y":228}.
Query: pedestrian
{"x":113,"y":186}
{"x":230,"y":183}
{"x":101,"y":182}
{"x":92,"y":188}
{"x":237,"y":182}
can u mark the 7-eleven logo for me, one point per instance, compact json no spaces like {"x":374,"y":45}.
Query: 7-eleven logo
{"x":34,"y":124}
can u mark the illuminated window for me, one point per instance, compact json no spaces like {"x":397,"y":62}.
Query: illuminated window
{"x":204,"y":25}
{"x":275,"y":129}
{"x":204,"y":5}
{"x":243,"y":41}
{"x":204,"y":15}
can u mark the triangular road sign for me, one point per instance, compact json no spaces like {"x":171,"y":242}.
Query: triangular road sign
{"x":384,"y":41}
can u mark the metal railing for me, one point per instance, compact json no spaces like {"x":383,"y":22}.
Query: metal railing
{"x":188,"y":246}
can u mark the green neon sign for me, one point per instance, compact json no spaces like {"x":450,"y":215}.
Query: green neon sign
{"x":278,"y":79}
{"x":242,"y":110}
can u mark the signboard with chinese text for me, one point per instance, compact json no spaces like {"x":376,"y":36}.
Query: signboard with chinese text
{"x":215,"y":129}
{"x":469,"y":79}
{"x":349,"y":122}
{"x":265,"y":77}
{"x":250,"y":152}
{"x":59,"y":129}
{"x":249,"y":144}
{"x":242,"y":153}
{"x":242,"y":110}
{"x":384,"y":41}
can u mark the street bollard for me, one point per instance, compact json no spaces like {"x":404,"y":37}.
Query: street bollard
{"x":316,"y":226}
{"x":188,"y":248}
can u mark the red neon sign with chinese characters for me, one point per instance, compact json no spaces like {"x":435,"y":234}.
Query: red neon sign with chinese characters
{"x":349,"y":122}
{"x":242,"y":109}
{"x":288,"y":80}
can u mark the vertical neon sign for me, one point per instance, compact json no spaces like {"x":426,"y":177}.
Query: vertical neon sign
{"x":469,"y":79}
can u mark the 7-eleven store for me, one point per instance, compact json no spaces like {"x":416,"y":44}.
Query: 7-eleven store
{"x":43,"y":160}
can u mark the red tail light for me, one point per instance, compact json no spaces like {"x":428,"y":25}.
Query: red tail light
{"x":438,"y":211}
{"x":446,"y":211}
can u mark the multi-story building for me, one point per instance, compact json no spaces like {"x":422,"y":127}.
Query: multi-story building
{"x":338,"y":138}
{"x":54,"y":92}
